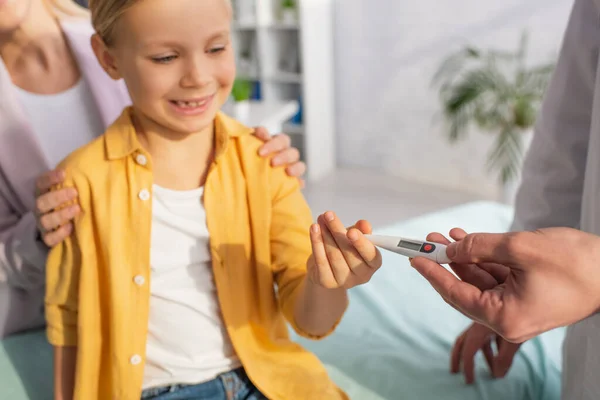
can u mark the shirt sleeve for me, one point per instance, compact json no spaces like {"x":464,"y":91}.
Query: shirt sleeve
{"x":553,"y":173}
{"x":63,"y":270}
{"x":290,"y":244}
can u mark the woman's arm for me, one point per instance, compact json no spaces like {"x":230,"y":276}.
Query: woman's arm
{"x":23,"y":250}
{"x":65,"y":359}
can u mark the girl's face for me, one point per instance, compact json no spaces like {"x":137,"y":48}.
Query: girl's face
{"x":176,"y":59}
{"x":13,"y":13}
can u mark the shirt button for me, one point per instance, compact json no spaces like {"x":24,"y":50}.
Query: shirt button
{"x":135,"y":359}
{"x":141,"y":159}
{"x":139,"y":280}
{"x":144,"y":194}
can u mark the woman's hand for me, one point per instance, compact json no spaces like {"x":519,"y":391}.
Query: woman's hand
{"x":54,"y":221}
{"x":284,"y":154}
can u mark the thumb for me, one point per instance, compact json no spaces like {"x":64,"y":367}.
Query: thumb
{"x":363,"y":226}
{"x":478,"y":248}
{"x":463,"y":296}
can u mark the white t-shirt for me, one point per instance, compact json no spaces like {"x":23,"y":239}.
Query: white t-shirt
{"x":62,"y":122}
{"x":187,"y":340}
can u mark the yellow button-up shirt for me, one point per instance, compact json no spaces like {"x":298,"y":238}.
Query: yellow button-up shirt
{"x":98,"y":280}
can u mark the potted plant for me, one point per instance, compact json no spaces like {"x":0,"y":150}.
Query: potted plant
{"x":288,"y":11}
{"x":241,"y":92}
{"x":498,"y":93}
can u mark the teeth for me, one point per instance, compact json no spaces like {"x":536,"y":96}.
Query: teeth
{"x":190,"y":104}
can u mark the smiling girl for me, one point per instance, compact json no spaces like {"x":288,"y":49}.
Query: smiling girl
{"x":190,"y":252}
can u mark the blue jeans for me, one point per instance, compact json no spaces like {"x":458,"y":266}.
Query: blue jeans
{"x":232,"y":385}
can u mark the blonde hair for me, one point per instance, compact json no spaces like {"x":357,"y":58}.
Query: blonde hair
{"x":106,"y":13}
{"x":67,"y":8}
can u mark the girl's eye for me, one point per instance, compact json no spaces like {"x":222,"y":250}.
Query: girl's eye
{"x":164,"y":60}
{"x":216,"y":49}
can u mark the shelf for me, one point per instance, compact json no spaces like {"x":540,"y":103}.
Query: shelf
{"x":288,"y":57}
{"x":247,"y":77}
{"x":291,"y":128}
{"x":245,"y":26}
{"x":271,"y":114}
{"x":285,"y":26}
{"x":286,"y":77}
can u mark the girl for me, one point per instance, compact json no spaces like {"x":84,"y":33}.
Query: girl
{"x":54,"y":98}
{"x":190,"y":252}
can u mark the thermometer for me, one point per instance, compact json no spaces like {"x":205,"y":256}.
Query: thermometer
{"x":411,"y":248}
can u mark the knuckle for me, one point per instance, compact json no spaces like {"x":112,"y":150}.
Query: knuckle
{"x":469,"y":243}
{"x":48,"y":239}
{"x":66,"y":214}
{"x":513,"y":243}
{"x":295,"y":153}
{"x":46,"y":222}
{"x":285,"y":139}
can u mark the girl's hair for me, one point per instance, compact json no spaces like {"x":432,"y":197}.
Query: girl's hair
{"x":106,"y":13}
{"x":67,"y":8}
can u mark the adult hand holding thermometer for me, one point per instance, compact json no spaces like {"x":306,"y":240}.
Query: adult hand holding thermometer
{"x":411,"y":248}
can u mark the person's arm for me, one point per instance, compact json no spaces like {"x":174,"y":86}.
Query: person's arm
{"x":290,"y":248}
{"x":23,"y":248}
{"x":335,"y":258}
{"x":65,"y":359}
{"x":553,"y":171}
{"x":63,"y":271}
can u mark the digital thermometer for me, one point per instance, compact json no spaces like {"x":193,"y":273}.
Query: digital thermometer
{"x":411,"y":248}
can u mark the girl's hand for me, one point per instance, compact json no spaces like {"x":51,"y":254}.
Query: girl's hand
{"x":54,"y":226}
{"x":342,"y":258}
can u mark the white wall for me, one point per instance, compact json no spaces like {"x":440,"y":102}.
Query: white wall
{"x":386,"y":54}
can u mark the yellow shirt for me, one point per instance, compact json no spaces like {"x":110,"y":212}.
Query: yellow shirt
{"x":98,"y":280}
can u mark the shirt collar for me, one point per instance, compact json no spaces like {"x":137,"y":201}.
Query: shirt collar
{"x":122,"y":141}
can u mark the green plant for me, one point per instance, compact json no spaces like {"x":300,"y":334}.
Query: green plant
{"x":288,"y":4}
{"x":496,"y":92}
{"x":241,"y":90}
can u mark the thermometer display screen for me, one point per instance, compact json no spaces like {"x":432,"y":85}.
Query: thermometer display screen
{"x":409,"y":245}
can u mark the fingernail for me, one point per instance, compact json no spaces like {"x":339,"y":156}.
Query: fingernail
{"x":410,"y":260}
{"x":275,"y":161}
{"x":451,"y":250}
{"x":329,"y":216}
{"x":72,"y":192}
{"x":315,"y":228}
{"x":262,"y":152}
